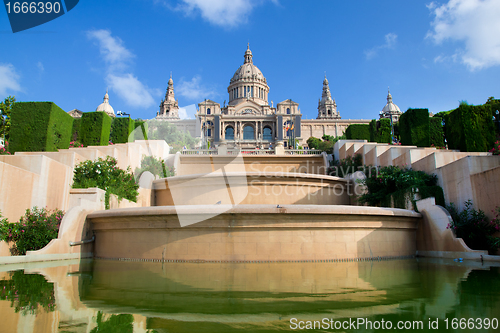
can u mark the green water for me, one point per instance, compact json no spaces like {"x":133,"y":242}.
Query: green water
{"x":113,"y":296}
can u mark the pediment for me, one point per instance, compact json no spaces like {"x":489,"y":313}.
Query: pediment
{"x":248,"y":108}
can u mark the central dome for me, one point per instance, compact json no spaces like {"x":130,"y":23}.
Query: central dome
{"x":248,"y":70}
{"x":248,"y":82}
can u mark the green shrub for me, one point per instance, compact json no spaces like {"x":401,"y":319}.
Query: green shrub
{"x":75,"y":144}
{"x":393,"y":182}
{"x":358,"y":132}
{"x":326,"y":144}
{"x":414,"y":128}
{"x":77,"y":124}
{"x":143,"y":135}
{"x":121,"y":129}
{"x":176,"y":139}
{"x":122,"y":323}
{"x":474,"y":228}
{"x":104,"y":174}
{"x":33,"y":231}
{"x":28,"y":293}
{"x":95,"y":129}
{"x":436,"y":133}
{"x":380,"y":130}
{"x":495,"y":150}
{"x":156,"y":166}
{"x":4,"y":150}
{"x":346,"y":166}
{"x":6,"y":110}
{"x":470,"y":127}
{"x":39,"y":126}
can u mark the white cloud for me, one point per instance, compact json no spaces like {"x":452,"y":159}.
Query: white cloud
{"x":473,"y":22}
{"x":111,"y":48}
{"x":390,"y":42}
{"x":9,"y":79}
{"x":193,"y":89}
{"x":225,"y":13}
{"x":117,"y":58}
{"x":130,"y":89}
{"x":40,"y":67}
{"x":187,"y":112}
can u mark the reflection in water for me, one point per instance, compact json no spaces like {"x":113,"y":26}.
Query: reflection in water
{"x":28,"y":293}
{"x":116,"y":296}
{"x":114,"y":324}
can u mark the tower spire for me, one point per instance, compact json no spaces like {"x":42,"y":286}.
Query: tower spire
{"x":248,"y":55}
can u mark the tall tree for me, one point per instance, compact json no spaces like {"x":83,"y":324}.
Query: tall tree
{"x":5,"y":110}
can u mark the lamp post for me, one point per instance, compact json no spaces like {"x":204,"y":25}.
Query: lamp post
{"x":292,"y":129}
{"x":205,"y":139}
{"x":496,"y":119}
{"x":3,"y":127}
{"x":392,"y":129}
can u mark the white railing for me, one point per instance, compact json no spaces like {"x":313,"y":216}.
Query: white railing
{"x":199,"y":152}
{"x":302,"y":152}
{"x":248,"y":151}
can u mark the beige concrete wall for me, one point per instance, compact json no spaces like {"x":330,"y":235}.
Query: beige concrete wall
{"x":189,"y":164}
{"x":354,"y":148}
{"x":319,"y":127}
{"x":411,"y":156}
{"x":259,"y":232}
{"x":33,"y":180}
{"x":252,"y":188}
{"x":16,"y":186}
{"x":44,"y":179}
{"x":455,"y":177}
{"x":387,"y":157}
{"x":441,"y":158}
{"x":372,"y":156}
{"x":67,"y":157}
{"x":435,"y":239}
{"x":486,"y":190}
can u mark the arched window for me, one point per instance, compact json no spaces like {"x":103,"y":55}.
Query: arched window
{"x":329,"y":112}
{"x":268,"y":134}
{"x":287,"y":110}
{"x":208,"y":111}
{"x":229,"y":133}
{"x":248,"y":133}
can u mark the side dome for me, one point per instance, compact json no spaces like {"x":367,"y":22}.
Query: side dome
{"x":106,"y":107}
{"x":390,"y":106}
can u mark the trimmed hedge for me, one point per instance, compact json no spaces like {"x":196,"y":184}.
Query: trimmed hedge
{"x":144,"y":126}
{"x":470,"y":127}
{"x":436,"y":133}
{"x":77,"y":124}
{"x":358,"y":132}
{"x":39,"y":126}
{"x":95,"y":129}
{"x":414,"y":128}
{"x":121,"y":129}
{"x":380,"y":130}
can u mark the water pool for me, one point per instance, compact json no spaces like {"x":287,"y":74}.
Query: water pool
{"x":419,"y":295}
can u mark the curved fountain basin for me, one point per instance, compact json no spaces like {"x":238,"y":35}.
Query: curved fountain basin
{"x":251,"y":188}
{"x":254,"y":233}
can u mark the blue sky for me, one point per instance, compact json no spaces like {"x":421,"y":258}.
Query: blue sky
{"x":431,"y":54}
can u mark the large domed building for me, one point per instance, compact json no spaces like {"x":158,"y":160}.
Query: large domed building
{"x":106,"y":107}
{"x":249,"y":120}
{"x":390,"y":110}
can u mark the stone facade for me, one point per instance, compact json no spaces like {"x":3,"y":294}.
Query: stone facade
{"x":249,"y":120}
